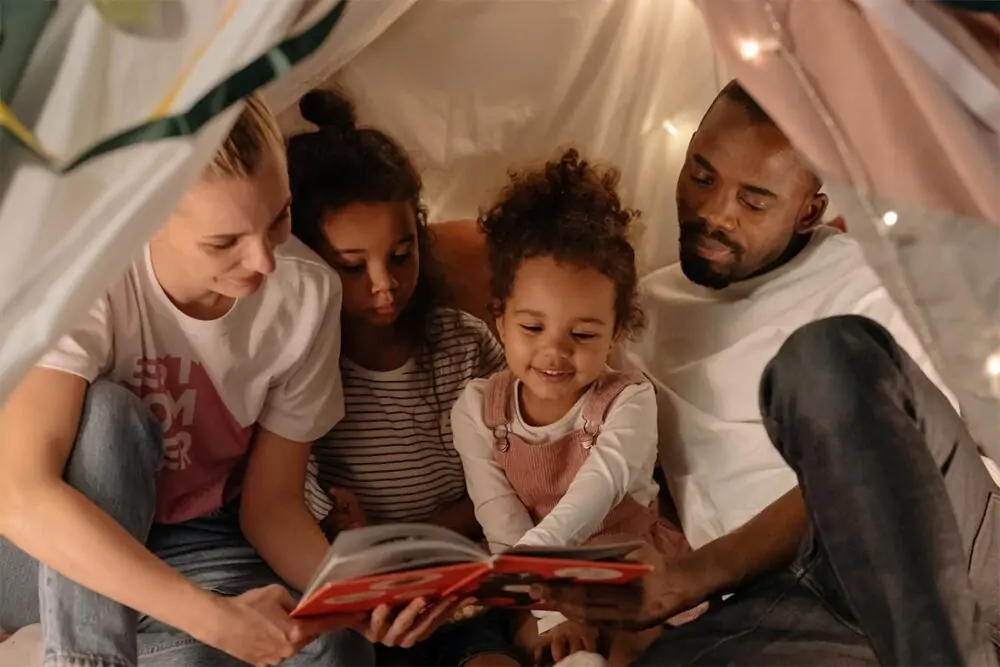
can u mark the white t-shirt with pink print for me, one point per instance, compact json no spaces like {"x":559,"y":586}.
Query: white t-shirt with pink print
{"x":272,"y":360}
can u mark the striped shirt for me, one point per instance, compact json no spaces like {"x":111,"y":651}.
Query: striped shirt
{"x":394,"y":448}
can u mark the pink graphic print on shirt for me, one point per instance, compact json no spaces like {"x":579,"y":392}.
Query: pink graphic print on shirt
{"x":204,"y":445}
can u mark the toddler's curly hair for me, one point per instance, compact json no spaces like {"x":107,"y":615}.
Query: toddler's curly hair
{"x":568,"y":210}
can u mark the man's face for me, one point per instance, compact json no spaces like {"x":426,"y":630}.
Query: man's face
{"x":742,"y":197}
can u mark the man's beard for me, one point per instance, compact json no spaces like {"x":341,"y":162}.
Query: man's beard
{"x":696,"y":268}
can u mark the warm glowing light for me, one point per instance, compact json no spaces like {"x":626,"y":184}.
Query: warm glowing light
{"x":750,"y":49}
{"x":670,"y":128}
{"x":890,"y":218}
{"x":993,"y":365}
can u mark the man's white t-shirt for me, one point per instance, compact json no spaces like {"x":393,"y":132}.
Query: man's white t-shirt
{"x":272,"y":360}
{"x":705,"y":350}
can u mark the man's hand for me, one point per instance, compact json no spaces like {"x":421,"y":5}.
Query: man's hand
{"x":413,"y":623}
{"x":669,"y":589}
{"x":346,"y":514}
{"x":255,"y":627}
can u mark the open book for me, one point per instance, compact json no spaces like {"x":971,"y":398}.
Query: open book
{"x":393,"y":564}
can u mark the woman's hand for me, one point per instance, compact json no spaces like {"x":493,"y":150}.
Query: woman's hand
{"x":413,"y":623}
{"x":256,"y":627}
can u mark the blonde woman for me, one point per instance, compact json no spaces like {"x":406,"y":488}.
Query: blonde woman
{"x":155,"y":459}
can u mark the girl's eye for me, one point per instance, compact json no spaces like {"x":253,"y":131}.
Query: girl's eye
{"x":401,"y":258}
{"x":584,"y":336}
{"x":531,"y":328}
{"x":352,"y":268}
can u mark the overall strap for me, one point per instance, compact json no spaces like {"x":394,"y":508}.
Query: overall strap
{"x":496,"y":408}
{"x":606,"y":390}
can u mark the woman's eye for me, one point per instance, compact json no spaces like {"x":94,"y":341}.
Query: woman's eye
{"x":224,"y":245}
{"x":401,"y":258}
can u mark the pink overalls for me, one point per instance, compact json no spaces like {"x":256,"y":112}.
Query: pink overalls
{"x":541,"y":474}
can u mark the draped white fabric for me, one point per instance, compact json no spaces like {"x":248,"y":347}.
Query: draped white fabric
{"x":474,"y":87}
{"x":64,"y":238}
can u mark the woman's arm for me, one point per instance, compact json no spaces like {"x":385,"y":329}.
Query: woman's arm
{"x":273,"y":512}
{"x":38,"y":426}
{"x":497,"y":508}
{"x":625,"y":448}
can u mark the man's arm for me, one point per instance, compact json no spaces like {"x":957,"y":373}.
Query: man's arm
{"x":767,"y":542}
{"x":38,"y":426}
{"x":273,"y":512}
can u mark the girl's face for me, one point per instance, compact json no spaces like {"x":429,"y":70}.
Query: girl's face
{"x":375,"y":251}
{"x":222,"y":235}
{"x":557,"y":328}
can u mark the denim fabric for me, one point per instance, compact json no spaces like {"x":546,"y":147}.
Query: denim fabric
{"x":901,"y":564}
{"x":114,"y":462}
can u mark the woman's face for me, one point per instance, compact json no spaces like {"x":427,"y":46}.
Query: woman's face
{"x":375,"y":251}
{"x":222,"y":236}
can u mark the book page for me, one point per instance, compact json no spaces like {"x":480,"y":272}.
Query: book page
{"x":375,"y":550}
{"x":614,"y":551}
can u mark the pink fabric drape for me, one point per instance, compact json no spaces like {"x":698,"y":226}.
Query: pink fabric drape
{"x":893,"y":124}
{"x":914,"y":141}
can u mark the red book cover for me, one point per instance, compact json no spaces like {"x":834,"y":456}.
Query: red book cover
{"x":395,"y":564}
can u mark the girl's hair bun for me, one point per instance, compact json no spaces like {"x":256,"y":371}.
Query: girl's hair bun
{"x":326,"y":108}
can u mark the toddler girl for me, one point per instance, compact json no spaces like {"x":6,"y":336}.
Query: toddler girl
{"x":405,"y":358}
{"x":559,"y":449}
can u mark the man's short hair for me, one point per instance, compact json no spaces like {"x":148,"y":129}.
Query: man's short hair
{"x":734,"y":92}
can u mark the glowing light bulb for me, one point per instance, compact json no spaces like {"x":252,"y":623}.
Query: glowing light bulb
{"x":670,"y":128}
{"x":890,"y":218}
{"x":993,"y":365}
{"x":750,"y":49}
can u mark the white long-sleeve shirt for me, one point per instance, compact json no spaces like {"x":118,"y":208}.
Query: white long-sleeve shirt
{"x":621,"y":462}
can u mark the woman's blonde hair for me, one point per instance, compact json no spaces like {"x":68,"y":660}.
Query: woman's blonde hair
{"x":253,"y":137}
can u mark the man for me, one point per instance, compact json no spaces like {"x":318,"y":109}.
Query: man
{"x":855,"y":523}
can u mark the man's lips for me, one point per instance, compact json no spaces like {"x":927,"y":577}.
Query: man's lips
{"x":712,"y":250}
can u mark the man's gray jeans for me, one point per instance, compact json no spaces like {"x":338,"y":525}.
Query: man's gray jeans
{"x":902,"y":562}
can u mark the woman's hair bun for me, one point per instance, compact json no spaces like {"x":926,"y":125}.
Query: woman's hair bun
{"x":327,"y":108}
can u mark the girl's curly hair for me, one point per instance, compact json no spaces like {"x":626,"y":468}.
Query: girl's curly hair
{"x":568,"y":210}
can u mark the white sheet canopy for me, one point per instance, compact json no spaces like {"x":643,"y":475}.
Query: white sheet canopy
{"x":473,"y":87}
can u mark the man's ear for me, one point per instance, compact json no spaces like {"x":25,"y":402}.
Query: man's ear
{"x":812,"y":214}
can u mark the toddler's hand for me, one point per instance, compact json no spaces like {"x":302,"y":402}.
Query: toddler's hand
{"x":567,"y":638}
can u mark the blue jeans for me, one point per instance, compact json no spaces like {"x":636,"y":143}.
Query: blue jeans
{"x":901,"y":565}
{"x":114,"y":462}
